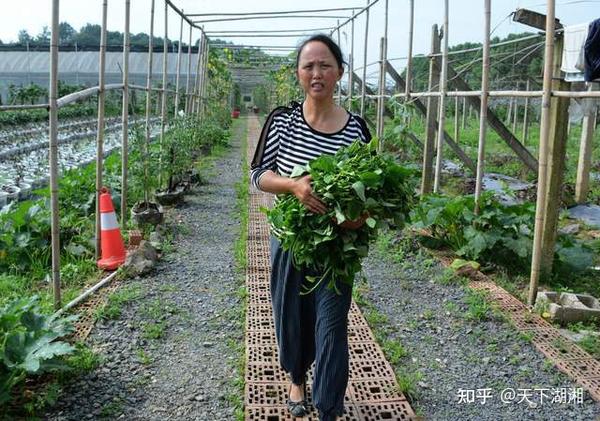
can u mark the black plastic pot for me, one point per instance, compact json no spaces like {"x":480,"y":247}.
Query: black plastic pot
{"x":147,"y":213}
{"x":170,"y":198}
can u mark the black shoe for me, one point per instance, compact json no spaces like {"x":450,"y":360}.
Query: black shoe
{"x":298,"y":408}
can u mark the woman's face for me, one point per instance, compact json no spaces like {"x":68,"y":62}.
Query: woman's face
{"x":318,"y":71}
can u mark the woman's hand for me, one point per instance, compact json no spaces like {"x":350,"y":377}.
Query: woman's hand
{"x":303,"y":191}
{"x":355,"y":224}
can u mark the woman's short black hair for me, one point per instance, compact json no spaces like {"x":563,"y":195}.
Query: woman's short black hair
{"x":325,"y":39}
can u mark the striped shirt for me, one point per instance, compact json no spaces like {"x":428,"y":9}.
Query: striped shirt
{"x":291,"y":141}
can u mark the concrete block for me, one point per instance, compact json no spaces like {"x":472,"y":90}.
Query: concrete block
{"x":566,"y":307}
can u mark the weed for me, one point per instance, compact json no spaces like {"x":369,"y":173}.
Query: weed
{"x":111,"y":410}
{"x":153,"y":330}
{"x":591,"y":344}
{"x":408,"y":382}
{"x":478,"y":308}
{"x":143,"y":357}
{"x":112,"y":308}
{"x":393,"y":350}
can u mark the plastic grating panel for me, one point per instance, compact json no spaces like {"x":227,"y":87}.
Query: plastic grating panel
{"x":369,"y":369}
{"x":584,"y":368}
{"x":266,"y":373}
{"x":261,"y":337}
{"x":592,"y":385}
{"x":399,"y":410}
{"x":365,"y":351}
{"x":528,"y":321}
{"x":259,"y":312}
{"x":360,"y":334}
{"x":376,"y":390}
{"x":263,"y":354}
{"x":259,"y":324}
{"x":256,"y":298}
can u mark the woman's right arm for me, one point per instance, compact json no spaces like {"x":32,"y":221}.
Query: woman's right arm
{"x":271,"y":182}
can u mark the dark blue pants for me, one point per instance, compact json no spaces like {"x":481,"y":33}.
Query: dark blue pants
{"x":309,"y":328}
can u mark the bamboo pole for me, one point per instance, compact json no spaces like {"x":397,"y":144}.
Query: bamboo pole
{"x":189,"y":74}
{"x":125,"y":115}
{"x":148,"y":99}
{"x":464,"y":113}
{"x":379,"y":129}
{"x":197,"y":78}
{"x":515,"y":115}
{"x":456,"y":118}
{"x":86,"y":294}
{"x":53,"y":155}
{"x":351,"y":65}
{"x":339,"y":84}
{"x":525,"y":134}
{"x":585,"y":151}
{"x":163,"y":105}
{"x":364,"y":67}
{"x":543,"y":154}
{"x":383,"y":75}
{"x":442,"y":112}
{"x":100,"y":132}
{"x":431,"y":115}
{"x":179,"y":50}
{"x":509,"y":112}
{"x":205,"y":76}
{"x":485,"y":84}
{"x":411,"y":22}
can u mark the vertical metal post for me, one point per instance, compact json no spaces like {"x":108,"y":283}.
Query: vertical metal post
{"x":189,"y":75}
{"x":125,"y":115}
{"x":53,"y":155}
{"x":100,"y":132}
{"x":485,"y":86}
{"x":410,"y":49}
{"x":149,"y":97}
{"x":364,"y":69}
{"x":526,"y":117}
{"x":442,"y":112}
{"x":543,"y":153}
{"x":351,"y":65}
{"x":178,"y":67}
{"x":163,"y":105}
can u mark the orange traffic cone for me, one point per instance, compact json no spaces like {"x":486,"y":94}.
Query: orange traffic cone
{"x":113,"y":249}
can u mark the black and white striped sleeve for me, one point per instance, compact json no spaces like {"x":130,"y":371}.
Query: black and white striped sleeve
{"x":268,"y":160}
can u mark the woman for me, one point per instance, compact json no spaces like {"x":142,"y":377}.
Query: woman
{"x":309,"y":327}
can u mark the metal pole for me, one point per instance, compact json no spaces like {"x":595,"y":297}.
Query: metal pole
{"x":410,"y":49}
{"x":178,"y":67}
{"x":364,"y":69}
{"x":163,"y":105}
{"x":543,"y":154}
{"x":148,"y":98}
{"x":53,"y":155}
{"x":189,"y":71}
{"x":100,"y":133}
{"x":125,"y":115}
{"x":442,"y":112}
{"x":485,"y":85}
{"x":351,"y":64}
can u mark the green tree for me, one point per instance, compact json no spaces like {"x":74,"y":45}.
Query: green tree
{"x":66,"y":33}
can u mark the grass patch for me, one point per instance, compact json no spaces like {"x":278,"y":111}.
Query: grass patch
{"x":478,"y":308}
{"x":114,"y":305}
{"x":153,"y":330}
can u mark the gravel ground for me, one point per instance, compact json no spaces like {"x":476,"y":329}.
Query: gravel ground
{"x":452,"y":352}
{"x":187,"y":372}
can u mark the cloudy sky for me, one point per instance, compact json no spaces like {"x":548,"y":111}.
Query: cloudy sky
{"x":466,"y":19}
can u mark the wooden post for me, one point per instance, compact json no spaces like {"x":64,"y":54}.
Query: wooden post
{"x":431,"y":117}
{"x":197,"y":79}
{"x":536,"y":259}
{"x":53,"y":155}
{"x":382,"y":98}
{"x":585,"y":150}
{"x":515,"y":114}
{"x":411,"y":22}
{"x":351,"y":64}
{"x":149,"y":97}
{"x":485,"y":84}
{"x":163,"y":105}
{"x":509,"y":112}
{"x":456,"y":118}
{"x":204,"y":90}
{"x":100,"y":132}
{"x":559,"y":116}
{"x":526,"y":117}
{"x":179,"y":50}
{"x":189,"y":75}
{"x":125,"y":115}
{"x":442,"y":112}
{"x":364,"y":69}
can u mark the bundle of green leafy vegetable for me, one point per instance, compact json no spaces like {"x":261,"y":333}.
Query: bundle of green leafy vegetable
{"x":355,"y":182}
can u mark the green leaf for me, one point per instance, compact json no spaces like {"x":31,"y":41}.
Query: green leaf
{"x":359,"y":188}
{"x":371,"y":222}
{"x":339,"y":215}
{"x":298,"y":171}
